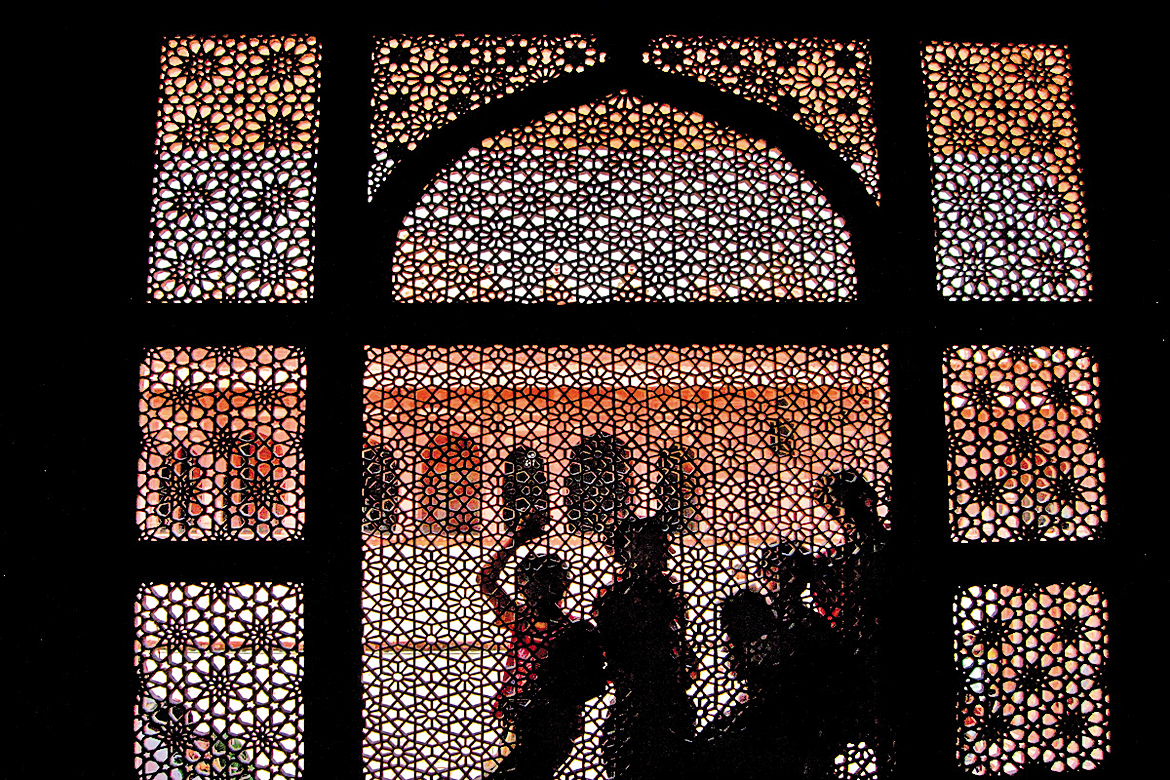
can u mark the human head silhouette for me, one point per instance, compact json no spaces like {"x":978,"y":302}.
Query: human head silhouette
{"x":787,"y":569}
{"x":542,"y":579}
{"x":745,"y":617}
{"x":852,"y":499}
{"x":642,"y":547}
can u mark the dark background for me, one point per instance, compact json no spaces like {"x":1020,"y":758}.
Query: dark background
{"x":84,"y":130}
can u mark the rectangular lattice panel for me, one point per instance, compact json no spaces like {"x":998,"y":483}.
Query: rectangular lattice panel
{"x":221,"y":443}
{"x":729,"y":447}
{"x":219,"y":668}
{"x":1031,"y":660}
{"x":235,"y":174}
{"x":1024,"y":460}
{"x":1008,"y":195}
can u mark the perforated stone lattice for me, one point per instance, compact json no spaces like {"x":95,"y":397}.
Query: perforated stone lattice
{"x":235,"y":178}
{"x":1030,"y":659}
{"x":726,"y":446}
{"x":1024,"y":457}
{"x":824,"y":85}
{"x":422,"y":83}
{"x":220,"y":669}
{"x":623,"y":200}
{"x":1008,"y":199}
{"x":221,"y":443}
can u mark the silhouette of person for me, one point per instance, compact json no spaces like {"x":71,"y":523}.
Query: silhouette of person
{"x":797,"y":679}
{"x":848,"y":583}
{"x":642,"y":619}
{"x":554,"y":664}
{"x":845,"y":579}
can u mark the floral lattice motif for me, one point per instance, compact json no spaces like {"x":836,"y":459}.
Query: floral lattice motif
{"x":857,"y":762}
{"x":824,"y":85}
{"x":246,"y":93}
{"x":220,"y":667}
{"x":235,"y":178}
{"x":1031,"y":660}
{"x":623,"y":200}
{"x":1007,"y":185}
{"x":681,"y":434}
{"x":422,"y":83}
{"x":221,"y":454}
{"x":1024,"y":459}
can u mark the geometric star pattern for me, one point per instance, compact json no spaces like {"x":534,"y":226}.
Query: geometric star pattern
{"x":857,"y":762}
{"x":422,"y":83}
{"x":1008,"y":200}
{"x":221,"y":443}
{"x":1030,"y":661}
{"x":824,"y":85}
{"x":235,"y":180}
{"x":220,"y":678}
{"x":623,"y":200}
{"x":726,"y":446}
{"x":1024,"y":460}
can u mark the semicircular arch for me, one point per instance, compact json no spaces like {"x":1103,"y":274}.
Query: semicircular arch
{"x":622,"y":199}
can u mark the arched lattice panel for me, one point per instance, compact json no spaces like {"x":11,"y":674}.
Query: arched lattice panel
{"x":1031,"y":660}
{"x":598,"y":484}
{"x":824,"y":85}
{"x":235,"y":175}
{"x":524,"y":494}
{"x":1024,"y":459}
{"x":423,"y":82}
{"x":1008,"y":196}
{"x":450,"y":478}
{"x":220,"y":668}
{"x":221,"y":443}
{"x":381,"y":489}
{"x":623,"y":200}
{"x":686,"y":435}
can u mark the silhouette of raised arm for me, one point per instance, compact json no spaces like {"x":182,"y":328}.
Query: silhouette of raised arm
{"x":503,"y":605}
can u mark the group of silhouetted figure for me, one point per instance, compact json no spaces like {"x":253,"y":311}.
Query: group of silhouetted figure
{"x":803,"y":649}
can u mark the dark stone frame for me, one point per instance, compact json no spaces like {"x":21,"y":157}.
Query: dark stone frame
{"x":84,"y":561}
